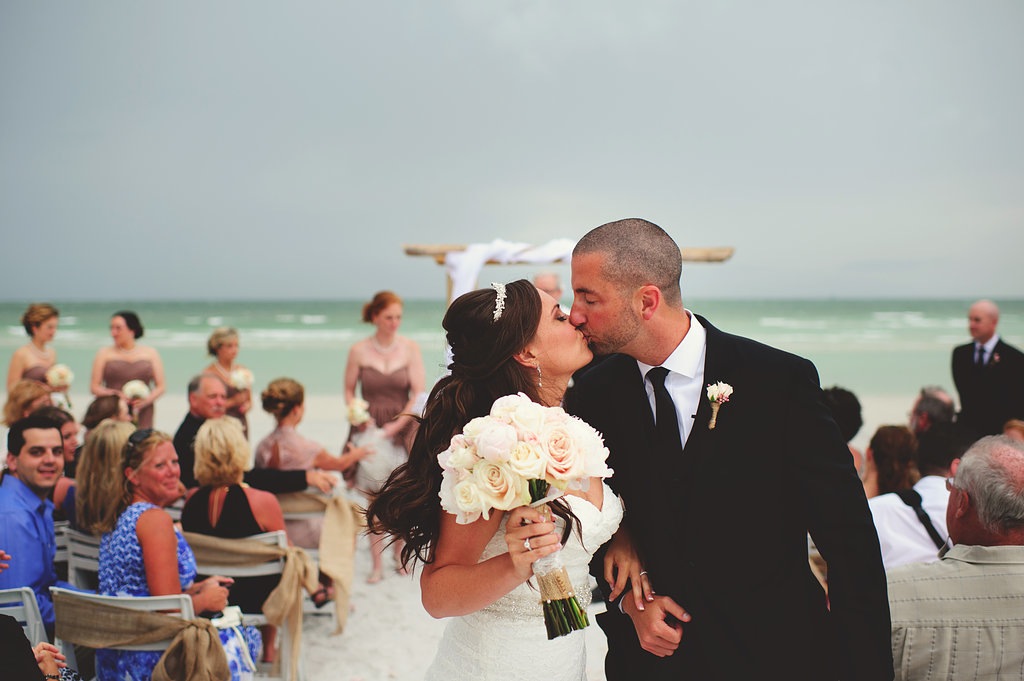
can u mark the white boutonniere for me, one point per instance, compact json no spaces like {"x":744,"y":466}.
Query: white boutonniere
{"x":718,"y":394}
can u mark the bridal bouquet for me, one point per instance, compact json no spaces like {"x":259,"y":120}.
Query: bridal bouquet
{"x":135,"y":390}
{"x":241,"y":378}
{"x":59,"y":377}
{"x":524,"y":453}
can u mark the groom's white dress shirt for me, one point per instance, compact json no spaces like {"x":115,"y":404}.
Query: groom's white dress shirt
{"x":685,"y":379}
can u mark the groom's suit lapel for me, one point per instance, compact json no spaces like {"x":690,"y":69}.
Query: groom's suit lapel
{"x":702,"y":441}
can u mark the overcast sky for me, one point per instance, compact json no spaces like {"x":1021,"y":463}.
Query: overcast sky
{"x":270,"y":149}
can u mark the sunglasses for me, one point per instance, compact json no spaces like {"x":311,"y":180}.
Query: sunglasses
{"x":139,"y":436}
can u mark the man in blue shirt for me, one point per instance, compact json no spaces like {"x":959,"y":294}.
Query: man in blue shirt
{"x":35,"y":461}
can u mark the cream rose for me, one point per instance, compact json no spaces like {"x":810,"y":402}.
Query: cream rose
{"x":529,"y":460}
{"x":499,"y":487}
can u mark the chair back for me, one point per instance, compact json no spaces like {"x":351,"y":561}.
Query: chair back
{"x":273,"y":566}
{"x":20,"y":603}
{"x":177,"y":605}
{"x":83,"y":560}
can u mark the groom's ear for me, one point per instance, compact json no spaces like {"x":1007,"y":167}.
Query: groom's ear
{"x":649,"y":299}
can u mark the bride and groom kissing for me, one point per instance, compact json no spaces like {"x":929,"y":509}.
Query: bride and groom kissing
{"x":704,"y":523}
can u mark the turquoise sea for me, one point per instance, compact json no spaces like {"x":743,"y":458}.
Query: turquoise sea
{"x":873,"y":347}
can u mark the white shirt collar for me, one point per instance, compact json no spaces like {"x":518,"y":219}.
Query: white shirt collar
{"x":688,"y":357}
{"x":990,"y":345}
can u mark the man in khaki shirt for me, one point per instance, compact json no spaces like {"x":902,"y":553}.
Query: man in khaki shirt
{"x":963,"y":616}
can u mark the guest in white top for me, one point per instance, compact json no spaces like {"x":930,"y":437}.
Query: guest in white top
{"x":903,"y":533}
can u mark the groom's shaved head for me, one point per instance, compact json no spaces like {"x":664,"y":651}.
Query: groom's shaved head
{"x":638,"y":253}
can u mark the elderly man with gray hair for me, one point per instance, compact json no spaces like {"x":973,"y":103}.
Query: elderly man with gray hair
{"x":963,"y":616}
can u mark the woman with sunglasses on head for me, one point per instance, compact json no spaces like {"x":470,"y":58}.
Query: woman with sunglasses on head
{"x":143,"y":554}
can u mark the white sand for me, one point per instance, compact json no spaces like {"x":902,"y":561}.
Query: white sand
{"x":389,"y":636}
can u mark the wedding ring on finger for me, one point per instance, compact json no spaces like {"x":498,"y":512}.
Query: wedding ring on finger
{"x":526,"y":544}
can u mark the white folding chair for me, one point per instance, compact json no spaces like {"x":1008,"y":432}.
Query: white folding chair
{"x":20,"y":603}
{"x":60,"y":534}
{"x":83,"y":560}
{"x":271,"y":567}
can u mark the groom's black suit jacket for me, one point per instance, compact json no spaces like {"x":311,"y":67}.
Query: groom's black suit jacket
{"x":723,"y":531}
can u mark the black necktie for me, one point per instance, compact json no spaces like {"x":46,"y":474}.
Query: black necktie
{"x":667,"y":425}
{"x":979,"y":356}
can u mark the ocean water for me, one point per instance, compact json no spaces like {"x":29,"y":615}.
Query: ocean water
{"x":872,"y":347}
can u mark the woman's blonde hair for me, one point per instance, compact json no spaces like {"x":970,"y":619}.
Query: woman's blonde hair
{"x":98,"y":478}
{"x":282,"y":396}
{"x":132,"y":456}
{"x":36,"y":314}
{"x":22,"y":395}
{"x":222,"y":452}
{"x":219,"y":337}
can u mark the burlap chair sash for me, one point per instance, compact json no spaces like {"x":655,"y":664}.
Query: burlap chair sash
{"x":284,"y":604}
{"x":195,"y":652}
{"x":343,"y":521}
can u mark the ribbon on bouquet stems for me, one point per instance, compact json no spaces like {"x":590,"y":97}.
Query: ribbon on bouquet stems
{"x":562,"y":612}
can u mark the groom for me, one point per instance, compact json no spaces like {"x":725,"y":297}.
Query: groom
{"x":720,"y":514}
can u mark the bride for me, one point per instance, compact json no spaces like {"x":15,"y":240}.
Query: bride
{"x":504,"y":340}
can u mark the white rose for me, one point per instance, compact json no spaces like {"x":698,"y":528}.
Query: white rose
{"x":528,"y":418}
{"x":499,"y":487}
{"x":462,"y":454}
{"x":496,"y":442}
{"x":461,"y":498}
{"x":528,"y":460}
{"x":565,"y":461}
{"x":504,"y":407}
{"x":478,"y":425}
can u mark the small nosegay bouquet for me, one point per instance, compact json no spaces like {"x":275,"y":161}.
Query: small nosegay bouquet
{"x":241,"y":378}
{"x":358,"y":411}
{"x":59,"y":377}
{"x":524,"y":453}
{"x":135,"y":390}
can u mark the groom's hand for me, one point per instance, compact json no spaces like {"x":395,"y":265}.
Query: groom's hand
{"x":659,"y":626}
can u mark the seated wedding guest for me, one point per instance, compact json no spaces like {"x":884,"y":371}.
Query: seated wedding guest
{"x":933,"y":405}
{"x":285,"y":449}
{"x":223,"y":507}
{"x":24,"y":662}
{"x":845,"y":408}
{"x":35,"y":458}
{"x":144,"y":554}
{"x":911,"y":523}
{"x":31,"y":360}
{"x":126,"y":361}
{"x":890,"y":463}
{"x":223,"y":346}
{"x":90,"y":506}
{"x":24,"y":398}
{"x":69,"y":434}
{"x":1014,"y":429}
{"x":206,"y":397}
{"x":960,"y":617}
{"x":106,"y":407}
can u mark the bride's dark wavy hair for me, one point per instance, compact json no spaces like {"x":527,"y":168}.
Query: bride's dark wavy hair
{"x":482,"y":369}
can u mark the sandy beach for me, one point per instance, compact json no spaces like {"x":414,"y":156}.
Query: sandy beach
{"x":389,"y":636}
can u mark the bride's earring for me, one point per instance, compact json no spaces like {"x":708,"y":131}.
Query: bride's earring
{"x":540,"y":379}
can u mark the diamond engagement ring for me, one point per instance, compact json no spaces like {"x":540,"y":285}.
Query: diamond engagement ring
{"x":526,"y":544}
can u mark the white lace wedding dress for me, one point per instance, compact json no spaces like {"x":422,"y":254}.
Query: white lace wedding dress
{"x":507,"y":641}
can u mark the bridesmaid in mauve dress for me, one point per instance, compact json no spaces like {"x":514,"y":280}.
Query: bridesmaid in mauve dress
{"x":223,"y":346}
{"x":388,"y":368}
{"x":125,"y":361}
{"x":31,"y":360}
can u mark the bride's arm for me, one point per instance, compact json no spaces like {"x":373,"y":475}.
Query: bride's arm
{"x":456,"y":584}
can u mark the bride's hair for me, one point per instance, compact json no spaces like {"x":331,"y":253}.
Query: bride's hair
{"x":482,"y":369}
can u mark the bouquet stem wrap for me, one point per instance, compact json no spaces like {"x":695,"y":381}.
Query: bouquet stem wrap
{"x":562,"y":612}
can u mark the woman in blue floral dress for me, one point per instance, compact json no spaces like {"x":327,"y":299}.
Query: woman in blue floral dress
{"x":145,"y":555}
